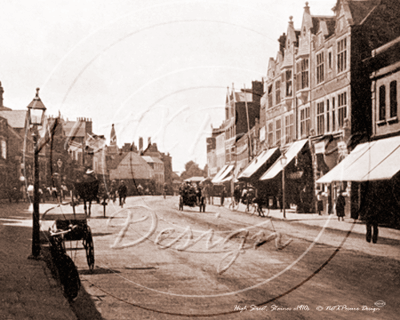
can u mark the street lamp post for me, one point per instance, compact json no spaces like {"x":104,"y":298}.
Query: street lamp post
{"x":36,"y":111}
{"x":283,"y":163}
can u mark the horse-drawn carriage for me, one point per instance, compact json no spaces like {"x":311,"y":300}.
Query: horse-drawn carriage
{"x":192,"y":197}
{"x":72,"y":226}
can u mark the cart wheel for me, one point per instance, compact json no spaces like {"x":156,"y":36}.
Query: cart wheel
{"x":89,"y":248}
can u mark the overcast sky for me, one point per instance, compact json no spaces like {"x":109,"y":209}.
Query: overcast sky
{"x":153,"y":68}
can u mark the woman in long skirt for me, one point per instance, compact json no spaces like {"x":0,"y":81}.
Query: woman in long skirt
{"x":340,"y":204}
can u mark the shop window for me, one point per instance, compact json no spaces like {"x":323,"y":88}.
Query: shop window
{"x":341,"y":55}
{"x":320,"y":67}
{"x":277,"y":92}
{"x":320,"y":118}
{"x":342,"y":108}
{"x":382,"y":102}
{"x":278,"y":131}
{"x":393,"y":99}
{"x":288,"y":83}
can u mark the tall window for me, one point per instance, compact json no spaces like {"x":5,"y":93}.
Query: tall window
{"x":382,"y":102}
{"x":327,"y":116}
{"x":333,"y":115}
{"x":305,"y":122}
{"x":277,"y":92}
{"x":320,"y":118}
{"x":341,"y":55}
{"x":278,"y":132}
{"x":393,"y":99}
{"x":288,"y":83}
{"x":3,"y":149}
{"x":302,"y":74}
{"x":270,"y":134}
{"x":320,"y":67}
{"x":330,"y":59}
{"x":289,"y":128}
{"x":270,"y":96}
{"x":342,"y":108}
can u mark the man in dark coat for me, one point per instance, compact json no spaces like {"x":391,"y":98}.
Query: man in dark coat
{"x":371,"y":212}
{"x":122,"y":192}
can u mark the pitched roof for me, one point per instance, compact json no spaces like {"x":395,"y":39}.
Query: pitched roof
{"x":359,"y":9}
{"x":75,"y":129}
{"x":114,"y":160}
{"x":15,"y":118}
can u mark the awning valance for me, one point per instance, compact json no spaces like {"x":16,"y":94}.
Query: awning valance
{"x":257,"y":163}
{"x":375,"y":160}
{"x":290,"y":154}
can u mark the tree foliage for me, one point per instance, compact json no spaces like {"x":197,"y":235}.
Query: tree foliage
{"x":192,"y":170}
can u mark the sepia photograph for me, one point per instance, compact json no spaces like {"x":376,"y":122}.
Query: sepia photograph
{"x":204,"y":159}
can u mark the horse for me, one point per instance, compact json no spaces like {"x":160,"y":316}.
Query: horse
{"x":87,"y":189}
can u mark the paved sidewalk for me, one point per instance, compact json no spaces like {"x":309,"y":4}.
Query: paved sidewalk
{"x":27,"y":288}
{"x":313,"y":219}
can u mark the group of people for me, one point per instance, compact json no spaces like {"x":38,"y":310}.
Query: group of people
{"x":116,"y":190}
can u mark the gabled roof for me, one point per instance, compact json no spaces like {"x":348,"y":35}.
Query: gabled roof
{"x":15,"y":118}
{"x":129,"y":165}
{"x":360,"y":9}
{"x":75,"y":129}
{"x":114,"y":160}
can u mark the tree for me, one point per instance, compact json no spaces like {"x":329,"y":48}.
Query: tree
{"x":192,"y":170}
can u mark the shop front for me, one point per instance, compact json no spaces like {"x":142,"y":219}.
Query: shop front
{"x":371,"y":172}
{"x":298,"y":175}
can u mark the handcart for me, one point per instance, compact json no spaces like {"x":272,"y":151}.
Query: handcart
{"x":74,"y":227}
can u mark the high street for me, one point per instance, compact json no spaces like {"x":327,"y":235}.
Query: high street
{"x":156,"y":262}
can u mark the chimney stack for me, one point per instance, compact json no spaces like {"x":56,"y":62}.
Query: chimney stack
{"x":140,"y":143}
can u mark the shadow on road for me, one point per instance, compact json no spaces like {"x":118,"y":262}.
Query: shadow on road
{"x":83,"y":307}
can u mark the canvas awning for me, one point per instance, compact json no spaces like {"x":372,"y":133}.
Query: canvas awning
{"x":228,"y":178}
{"x":219,"y":173}
{"x":290,"y":154}
{"x":257,"y":163}
{"x":375,"y":160}
{"x":224,"y":175}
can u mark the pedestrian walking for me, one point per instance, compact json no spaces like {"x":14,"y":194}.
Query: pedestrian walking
{"x":223,"y":194}
{"x":320,"y":203}
{"x":371,"y":212}
{"x":340,"y":205}
{"x":122,"y":192}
